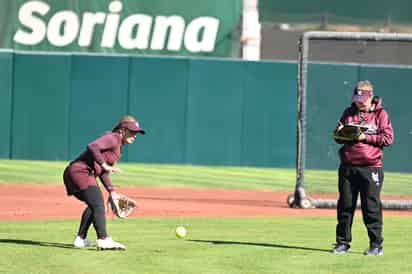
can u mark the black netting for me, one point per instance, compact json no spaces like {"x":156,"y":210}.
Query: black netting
{"x":328,"y":75}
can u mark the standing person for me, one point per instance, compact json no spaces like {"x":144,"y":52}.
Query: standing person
{"x":98,"y":160}
{"x":360,"y":169}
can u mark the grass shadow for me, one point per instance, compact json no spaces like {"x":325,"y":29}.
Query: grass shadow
{"x":220,"y":242}
{"x":38,"y":243}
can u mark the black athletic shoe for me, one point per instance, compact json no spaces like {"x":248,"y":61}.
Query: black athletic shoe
{"x":341,"y":248}
{"x":374,"y":251}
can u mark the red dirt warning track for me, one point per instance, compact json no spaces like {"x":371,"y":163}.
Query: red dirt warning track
{"x":42,"y":202}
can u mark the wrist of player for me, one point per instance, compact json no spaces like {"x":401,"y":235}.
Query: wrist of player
{"x":105,"y":166}
{"x":114,"y":194}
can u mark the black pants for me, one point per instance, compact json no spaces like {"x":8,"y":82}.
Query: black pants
{"x":368,"y":182}
{"x":94,"y":213}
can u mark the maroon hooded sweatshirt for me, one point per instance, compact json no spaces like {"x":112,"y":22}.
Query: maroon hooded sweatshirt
{"x":378,"y":135}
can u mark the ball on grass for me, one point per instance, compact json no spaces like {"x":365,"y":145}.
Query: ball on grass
{"x":180,"y":232}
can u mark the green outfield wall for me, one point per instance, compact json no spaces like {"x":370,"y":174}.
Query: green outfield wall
{"x":6,"y":76}
{"x":195,"y":111}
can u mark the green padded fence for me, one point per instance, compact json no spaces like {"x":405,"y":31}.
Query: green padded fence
{"x":6,"y":87}
{"x":195,"y":111}
{"x":40,"y":107}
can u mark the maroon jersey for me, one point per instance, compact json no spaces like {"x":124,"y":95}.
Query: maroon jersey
{"x":82,"y":172}
{"x":378,"y":135}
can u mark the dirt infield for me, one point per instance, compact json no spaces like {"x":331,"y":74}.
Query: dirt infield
{"x":42,"y":202}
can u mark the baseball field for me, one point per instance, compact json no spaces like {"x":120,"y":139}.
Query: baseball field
{"x":236,"y":218}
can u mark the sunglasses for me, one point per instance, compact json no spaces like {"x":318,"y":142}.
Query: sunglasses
{"x":364,"y":92}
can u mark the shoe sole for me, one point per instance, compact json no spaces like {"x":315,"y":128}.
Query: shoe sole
{"x":84,"y":246}
{"x":379,"y":254}
{"x":340,"y":252}
{"x":112,"y":248}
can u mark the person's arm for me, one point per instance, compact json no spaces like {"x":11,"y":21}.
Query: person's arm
{"x":96,"y":147}
{"x":384,"y":134}
{"x":107,"y":183}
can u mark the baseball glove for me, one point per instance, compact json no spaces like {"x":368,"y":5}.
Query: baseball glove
{"x":349,"y":132}
{"x":122,"y":206}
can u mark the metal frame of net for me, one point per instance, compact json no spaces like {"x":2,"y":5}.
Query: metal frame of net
{"x":299,"y":198}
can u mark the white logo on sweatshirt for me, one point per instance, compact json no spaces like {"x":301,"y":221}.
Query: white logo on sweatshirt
{"x":375,"y":178}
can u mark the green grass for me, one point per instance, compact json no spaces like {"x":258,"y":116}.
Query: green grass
{"x":213,"y":245}
{"x":276,"y":179}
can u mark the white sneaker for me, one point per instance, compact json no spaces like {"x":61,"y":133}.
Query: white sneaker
{"x":109,"y":244}
{"x":79,"y":242}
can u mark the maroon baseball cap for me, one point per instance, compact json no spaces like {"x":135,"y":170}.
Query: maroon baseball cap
{"x":361,"y":95}
{"x":132,"y":126}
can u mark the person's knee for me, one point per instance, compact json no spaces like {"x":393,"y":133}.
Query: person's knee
{"x":98,"y":208}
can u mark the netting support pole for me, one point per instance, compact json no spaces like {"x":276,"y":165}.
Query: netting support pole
{"x":299,"y":198}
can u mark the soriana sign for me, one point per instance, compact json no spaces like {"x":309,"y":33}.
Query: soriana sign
{"x":119,"y":27}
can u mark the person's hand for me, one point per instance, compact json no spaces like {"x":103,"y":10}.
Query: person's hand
{"x":339,"y":127}
{"x":362,"y":137}
{"x":121,"y":205}
{"x":115,"y":195}
{"x":110,"y":169}
{"x":115,"y":169}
